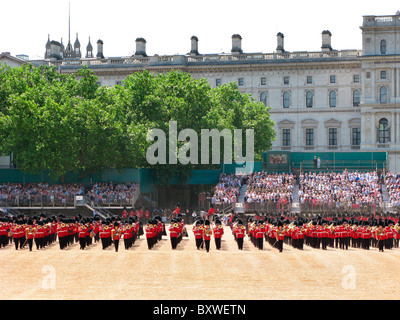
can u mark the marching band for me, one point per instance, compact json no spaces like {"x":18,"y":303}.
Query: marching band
{"x":317,"y":233}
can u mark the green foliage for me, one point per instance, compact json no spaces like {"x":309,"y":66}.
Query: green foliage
{"x":61,"y":122}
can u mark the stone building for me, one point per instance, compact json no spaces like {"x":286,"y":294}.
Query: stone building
{"x":326,"y":101}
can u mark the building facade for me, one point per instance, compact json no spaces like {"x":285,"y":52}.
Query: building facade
{"x":326,"y":101}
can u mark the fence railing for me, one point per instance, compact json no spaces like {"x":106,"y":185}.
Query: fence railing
{"x":340,"y":165}
{"x":269,"y":206}
{"x":37,"y":200}
{"x":24,"y":200}
{"x":341,"y":207}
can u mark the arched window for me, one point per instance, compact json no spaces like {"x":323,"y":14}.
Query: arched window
{"x":383,"y":94}
{"x":263,"y":98}
{"x":383,"y":131}
{"x":383,"y":47}
{"x":286,"y":99}
{"x":356,"y":98}
{"x":309,"y":99}
{"x":332,"y":98}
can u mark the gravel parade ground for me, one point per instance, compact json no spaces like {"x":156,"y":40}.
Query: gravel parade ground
{"x":190,"y":274}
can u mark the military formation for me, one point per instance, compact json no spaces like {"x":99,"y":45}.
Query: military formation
{"x":204,"y":230}
{"x":335,"y":232}
{"x":42,"y":231}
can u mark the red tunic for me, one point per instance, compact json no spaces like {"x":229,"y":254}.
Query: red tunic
{"x":239,"y":232}
{"x":218,"y":231}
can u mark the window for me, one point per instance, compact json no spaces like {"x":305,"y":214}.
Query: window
{"x":368,"y":74}
{"x":383,"y":94}
{"x":263,"y":81}
{"x":383,"y":74}
{"x":356,"y":137}
{"x":356,"y":78}
{"x":332,"y":79}
{"x":309,"y":99}
{"x":383,"y":47}
{"x":383,"y":131}
{"x":218,"y":82}
{"x":356,"y":98}
{"x":309,"y":79}
{"x":309,"y":137}
{"x":333,"y":136}
{"x":332,"y":98}
{"x":286,"y":99}
{"x":241,"y":82}
{"x":286,"y":137}
{"x":263,"y":98}
{"x":285,"y":80}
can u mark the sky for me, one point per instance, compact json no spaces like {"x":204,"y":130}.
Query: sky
{"x":167,"y":25}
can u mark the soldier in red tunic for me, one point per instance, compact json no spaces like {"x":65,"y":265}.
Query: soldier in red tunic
{"x":280,"y":236}
{"x":174,"y":233}
{"x":30,"y":233}
{"x":259,"y":235}
{"x":116,"y":235}
{"x":4,"y":230}
{"x":218,"y":232}
{"x":239,"y":231}
{"x":128,"y":234}
{"x":150,"y":230}
{"x":207,"y":234}
{"x":105,"y":235}
{"x":198,"y":231}
{"x":381,"y":237}
{"x":82,"y":234}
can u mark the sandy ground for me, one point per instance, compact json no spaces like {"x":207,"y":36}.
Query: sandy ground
{"x":190,"y":274}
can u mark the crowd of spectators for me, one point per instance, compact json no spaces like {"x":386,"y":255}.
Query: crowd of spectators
{"x":227,"y":190}
{"x":44,"y":194}
{"x":110,"y":193}
{"x":392,"y":182}
{"x":265,"y":187}
{"x":353,"y":189}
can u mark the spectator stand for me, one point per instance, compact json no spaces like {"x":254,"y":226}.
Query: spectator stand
{"x":98,"y":197}
{"x":340,"y":192}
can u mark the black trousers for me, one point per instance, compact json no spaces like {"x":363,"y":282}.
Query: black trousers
{"x":240,"y":243}
{"x":174,"y":242}
{"x":279,"y":245}
{"x":260,"y":243}
{"x":82,"y":242}
{"x":381,"y":245}
{"x":199,"y":242}
{"x":207,"y":243}
{"x":150,"y":242}
{"x":16,"y":242}
{"x":218,"y":243}
{"x":116,"y":245}
{"x":22,"y":242}
{"x":3,"y":240}
{"x":62,"y":240}
{"x":30,"y":243}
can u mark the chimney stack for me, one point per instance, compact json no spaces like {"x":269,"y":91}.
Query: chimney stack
{"x":194,"y":46}
{"x":326,"y":40}
{"x":100,"y":54}
{"x":280,"y":46}
{"x":140,"y":47}
{"x":236,"y":44}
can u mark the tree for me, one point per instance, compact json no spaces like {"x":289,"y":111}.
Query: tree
{"x":62,"y":123}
